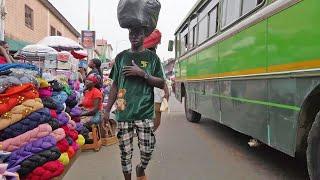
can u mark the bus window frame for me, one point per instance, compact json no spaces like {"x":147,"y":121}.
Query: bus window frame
{"x":182,"y":35}
{"x":193,"y":27}
{"x":216,"y":6}
{"x":177,"y":52}
{"x":243,"y":16}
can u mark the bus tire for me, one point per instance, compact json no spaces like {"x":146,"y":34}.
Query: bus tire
{"x":313,"y":150}
{"x":192,"y":116}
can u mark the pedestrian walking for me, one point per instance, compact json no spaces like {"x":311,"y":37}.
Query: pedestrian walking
{"x":151,"y":42}
{"x":135,"y":74}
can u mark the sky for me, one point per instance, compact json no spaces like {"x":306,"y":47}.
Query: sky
{"x":105,"y":22}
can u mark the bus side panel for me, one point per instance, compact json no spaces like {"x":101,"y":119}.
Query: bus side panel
{"x":208,"y":101}
{"x":191,"y":90}
{"x":191,"y":66}
{"x":240,"y":111}
{"x":293,"y":44}
{"x":177,"y":82}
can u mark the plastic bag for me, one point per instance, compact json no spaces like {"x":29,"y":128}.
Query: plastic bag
{"x":164,"y":105}
{"x":139,"y":13}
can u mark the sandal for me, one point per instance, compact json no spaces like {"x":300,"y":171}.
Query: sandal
{"x":141,"y":177}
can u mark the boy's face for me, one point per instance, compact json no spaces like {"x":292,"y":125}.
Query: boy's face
{"x":136,"y":37}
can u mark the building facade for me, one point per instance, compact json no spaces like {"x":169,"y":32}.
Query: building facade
{"x":29,"y":21}
{"x":104,"y":50}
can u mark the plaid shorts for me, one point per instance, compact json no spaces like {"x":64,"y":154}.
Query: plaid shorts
{"x":146,"y":142}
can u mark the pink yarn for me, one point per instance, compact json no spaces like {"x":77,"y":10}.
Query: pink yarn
{"x":15,"y":143}
{"x":58,"y":134}
{"x":45,"y":92}
{"x":75,"y":146}
{"x":72,"y":124}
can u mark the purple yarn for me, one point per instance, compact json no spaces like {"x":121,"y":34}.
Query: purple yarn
{"x":73,"y":96}
{"x":30,"y":149}
{"x":76,"y":112}
{"x":63,"y":118}
{"x":79,"y":127}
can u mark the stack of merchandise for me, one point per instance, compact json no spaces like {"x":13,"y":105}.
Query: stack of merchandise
{"x":37,"y":136}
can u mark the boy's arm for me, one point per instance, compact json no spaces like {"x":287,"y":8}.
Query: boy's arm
{"x":111,"y":100}
{"x":135,"y":70}
{"x":112,"y":96}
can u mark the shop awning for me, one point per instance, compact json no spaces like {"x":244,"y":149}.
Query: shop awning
{"x":16,"y":45}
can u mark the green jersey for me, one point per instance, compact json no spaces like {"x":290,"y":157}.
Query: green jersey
{"x":139,"y":95}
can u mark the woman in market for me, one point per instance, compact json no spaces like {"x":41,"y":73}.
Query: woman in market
{"x":4,"y":53}
{"x":92,"y":100}
{"x":95,"y":65}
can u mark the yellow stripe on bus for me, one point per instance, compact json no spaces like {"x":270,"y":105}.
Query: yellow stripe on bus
{"x":258,"y":71}
{"x":295,"y":66}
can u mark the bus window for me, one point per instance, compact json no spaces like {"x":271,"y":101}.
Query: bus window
{"x":193,"y":33}
{"x":249,"y":5}
{"x":230,"y":11}
{"x":203,"y":30}
{"x":213,"y":22}
{"x":177,"y":49}
{"x":184,"y":41}
{"x":191,"y":38}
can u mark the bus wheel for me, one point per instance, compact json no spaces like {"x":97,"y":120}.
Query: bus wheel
{"x":191,"y":115}
{"x":313,"y":150}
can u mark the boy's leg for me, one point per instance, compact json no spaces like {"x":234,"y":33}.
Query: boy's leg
{"x":125,"y":137}
{"x":146,"y":143}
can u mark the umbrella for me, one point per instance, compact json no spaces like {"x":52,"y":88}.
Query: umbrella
{"x":60,"y":42}
{"x":37,"y":49}
{"x":36,"y":52}
{"x":80,"y":54}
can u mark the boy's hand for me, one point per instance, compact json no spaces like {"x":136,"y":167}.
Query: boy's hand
{"x":134,"y":70}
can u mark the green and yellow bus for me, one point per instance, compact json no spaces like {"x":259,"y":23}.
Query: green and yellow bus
{"x":254,"y":66}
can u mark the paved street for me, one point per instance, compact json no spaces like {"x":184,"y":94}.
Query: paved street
{"x":187,"y":151}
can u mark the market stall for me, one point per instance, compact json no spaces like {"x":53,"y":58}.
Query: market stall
{"x":40,"y":131}
{"x":38,"y":136}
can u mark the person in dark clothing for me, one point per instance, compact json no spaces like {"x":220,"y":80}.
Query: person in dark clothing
{"x":135,"y":74}
{"x":95,"y":65}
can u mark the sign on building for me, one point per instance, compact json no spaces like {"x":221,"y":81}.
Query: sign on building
{"x":88,"y":39}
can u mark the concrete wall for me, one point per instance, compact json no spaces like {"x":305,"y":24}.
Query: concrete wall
{"x":15,"y":22}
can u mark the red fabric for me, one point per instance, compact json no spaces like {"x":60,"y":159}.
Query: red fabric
{"x":76,"y":119}
{"x":75,"y":146}
{"x":48,"y":171}
{"x":71,"y":152}
{"x":53,"y":114}
{"x":79,"y":54}
{"x":153,"y":40}
{"x":89,"y":96}
{"x":93,"y":77}
{"x":16,"y":95}
{"x":63,"y":145}
{"x":3,"y":60}
{"x":71,"y":132}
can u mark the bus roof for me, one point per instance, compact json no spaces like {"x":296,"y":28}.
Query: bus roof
{"x":193,"y":9}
